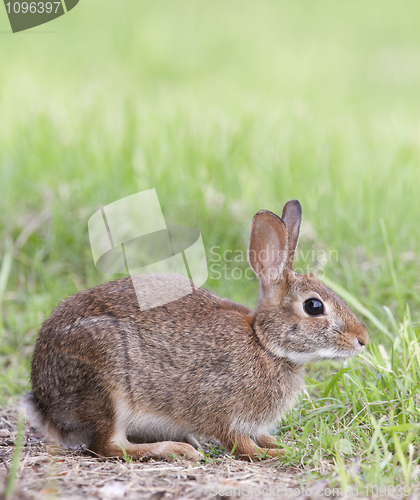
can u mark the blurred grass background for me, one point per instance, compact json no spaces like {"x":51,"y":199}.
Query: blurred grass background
{"x":225,"y":108}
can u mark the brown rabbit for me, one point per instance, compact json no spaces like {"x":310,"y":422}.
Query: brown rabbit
{"x":107,"y":375}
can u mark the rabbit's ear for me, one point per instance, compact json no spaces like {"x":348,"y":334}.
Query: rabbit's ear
{"x":292,"y":217}
{"x":268,"y":247}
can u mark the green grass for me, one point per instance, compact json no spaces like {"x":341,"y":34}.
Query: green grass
{"x":127,"y":458}
{"x":227,"y":108}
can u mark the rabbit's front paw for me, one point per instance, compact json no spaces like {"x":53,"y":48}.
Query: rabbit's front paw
{"x":264,"y":453}
{"x":267,"y":441}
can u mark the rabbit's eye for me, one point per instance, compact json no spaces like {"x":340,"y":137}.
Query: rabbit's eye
{"x":313,"y":307}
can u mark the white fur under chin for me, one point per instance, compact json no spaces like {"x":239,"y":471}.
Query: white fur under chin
{"x":302,"y":358}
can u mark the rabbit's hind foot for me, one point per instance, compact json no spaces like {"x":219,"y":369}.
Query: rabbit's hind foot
{"x":168,"y":450}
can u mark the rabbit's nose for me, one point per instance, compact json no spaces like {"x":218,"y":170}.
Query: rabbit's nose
{"x":362,"y":336}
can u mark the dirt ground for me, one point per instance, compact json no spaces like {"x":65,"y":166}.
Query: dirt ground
{"x":54,"y":473}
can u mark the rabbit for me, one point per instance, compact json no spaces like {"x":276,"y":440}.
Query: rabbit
{"x":119,"y":380}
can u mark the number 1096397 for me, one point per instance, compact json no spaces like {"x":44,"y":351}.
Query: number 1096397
{"x":33,"y":7}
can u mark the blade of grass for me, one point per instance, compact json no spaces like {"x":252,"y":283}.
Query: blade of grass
{"x":334,"y":381}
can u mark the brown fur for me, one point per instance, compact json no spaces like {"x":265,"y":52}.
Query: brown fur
{"x":105,"y":374}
